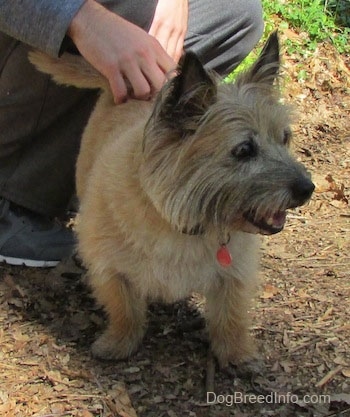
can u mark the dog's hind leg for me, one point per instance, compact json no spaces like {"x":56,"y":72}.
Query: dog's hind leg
{"x":228,"y":321}
{"x":127,"y":318}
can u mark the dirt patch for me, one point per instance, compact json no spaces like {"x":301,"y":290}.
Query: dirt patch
{"x":301,"y":318}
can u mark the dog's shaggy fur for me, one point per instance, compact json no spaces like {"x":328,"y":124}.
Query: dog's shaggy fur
{"x":163,"y":186}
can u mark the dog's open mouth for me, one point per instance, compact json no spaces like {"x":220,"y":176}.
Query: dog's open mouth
{"x":268,"y":225}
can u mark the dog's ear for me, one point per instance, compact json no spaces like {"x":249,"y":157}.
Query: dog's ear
{"x":192,"y":82}
{"x":189,"y":95}
{"x":266,"y":67}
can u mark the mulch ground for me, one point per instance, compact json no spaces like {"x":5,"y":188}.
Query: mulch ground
{"x":301,"y":315}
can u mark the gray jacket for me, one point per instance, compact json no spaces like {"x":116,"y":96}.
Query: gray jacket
{"x":39,"y":23}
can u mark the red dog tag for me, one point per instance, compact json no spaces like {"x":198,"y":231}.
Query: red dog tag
{"x":223,"y":256}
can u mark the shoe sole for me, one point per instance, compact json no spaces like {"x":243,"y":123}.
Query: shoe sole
{"x":28,"y":262}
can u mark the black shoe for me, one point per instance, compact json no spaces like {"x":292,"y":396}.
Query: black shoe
{"x":29,"y":239}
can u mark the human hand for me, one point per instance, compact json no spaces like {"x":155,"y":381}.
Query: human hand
{"x":169,"y":26}
{"x":125,"y":54}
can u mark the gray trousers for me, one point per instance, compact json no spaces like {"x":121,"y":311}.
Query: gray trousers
{"x":41,"y":123}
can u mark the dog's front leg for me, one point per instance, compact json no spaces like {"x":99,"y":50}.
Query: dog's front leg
{"x":126,"y":314}
{"x":228,"y":302}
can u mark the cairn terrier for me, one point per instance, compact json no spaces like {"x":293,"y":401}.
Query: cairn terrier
{"x":173,"y":195}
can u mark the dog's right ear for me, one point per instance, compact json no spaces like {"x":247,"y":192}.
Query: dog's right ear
{"x":266,"y":68}
{"x":189,"y":95}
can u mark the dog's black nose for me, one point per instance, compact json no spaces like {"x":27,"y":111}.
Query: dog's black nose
{"x":302,"y":189}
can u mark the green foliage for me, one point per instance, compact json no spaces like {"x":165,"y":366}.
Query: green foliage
{"x":340,"y":9}
{"x":317,"y":21}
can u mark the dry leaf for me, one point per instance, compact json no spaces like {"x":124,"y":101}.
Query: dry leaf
{"x":269,"y":291}
{"x":85,"y":413}
{"x":287,"y":366}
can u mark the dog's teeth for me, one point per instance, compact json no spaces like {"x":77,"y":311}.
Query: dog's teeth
{"x":270,"y":221}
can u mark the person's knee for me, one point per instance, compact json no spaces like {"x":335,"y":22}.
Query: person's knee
{"x":255,"y":22}
{"x":251,"y":27}
{"x":235,"y":28}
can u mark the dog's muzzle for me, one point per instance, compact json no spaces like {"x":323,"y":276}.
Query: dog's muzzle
{"x":273,"y":222}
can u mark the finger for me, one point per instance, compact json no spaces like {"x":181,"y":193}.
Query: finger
{"x":154,"y":75}
{"x":179,"y":49}
{"x":165,"y":62}
{"x":171,"y":47}
{"x":168,"y":40}
{"x":118,"y":87}
{"x":161,"y":35}
{"x":153,"y":29}
{"x":141,"y":86}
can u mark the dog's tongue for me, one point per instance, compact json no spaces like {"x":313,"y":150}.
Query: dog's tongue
{"x":279,"y":218}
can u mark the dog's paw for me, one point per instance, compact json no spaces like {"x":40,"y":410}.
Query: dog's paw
{"x":109,"y":347}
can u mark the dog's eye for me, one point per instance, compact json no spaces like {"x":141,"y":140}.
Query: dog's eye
{"x":287,"y":136}
{"x":245,"y":150}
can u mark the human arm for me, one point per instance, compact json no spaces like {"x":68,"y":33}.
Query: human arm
{"x":39,"y":23}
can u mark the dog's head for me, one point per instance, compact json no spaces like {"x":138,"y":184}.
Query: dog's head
{"x":217,"y":154}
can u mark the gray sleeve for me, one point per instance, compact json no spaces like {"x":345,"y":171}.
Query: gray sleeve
{"x":39,"y":23}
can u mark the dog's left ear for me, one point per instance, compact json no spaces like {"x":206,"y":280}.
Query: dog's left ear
{"x":266,"y":67}
{"x":189,"y":95}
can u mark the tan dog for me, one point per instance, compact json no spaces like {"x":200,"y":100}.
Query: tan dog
{"x":173,"y":195}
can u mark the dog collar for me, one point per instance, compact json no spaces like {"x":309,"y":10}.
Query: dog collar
{"x":223,"y":254}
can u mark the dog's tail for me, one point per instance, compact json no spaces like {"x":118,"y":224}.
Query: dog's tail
{"x":69,"y":70}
